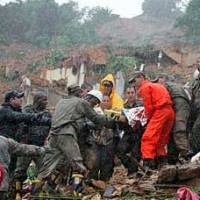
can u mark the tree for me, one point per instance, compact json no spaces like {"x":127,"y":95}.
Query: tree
{"x":45,"y":23}
{"x":95,"y":18}
{"x":163,"y":9}
{"x":190,"y":22}
{"x":13,"y":23}
{"x":43,"y":19}
{"x":99,"y":15}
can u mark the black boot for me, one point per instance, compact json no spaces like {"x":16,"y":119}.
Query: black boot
{"x":149,"y":163}
{"x":161,"y":161}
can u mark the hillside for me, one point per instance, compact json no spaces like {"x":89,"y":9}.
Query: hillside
{"x":141,"y":31}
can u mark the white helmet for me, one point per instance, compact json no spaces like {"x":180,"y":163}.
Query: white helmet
{"x":97,"y":94}
{"x":196,"y":73}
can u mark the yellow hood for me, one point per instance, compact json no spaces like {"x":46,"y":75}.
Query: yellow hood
{"x":116,"y":100}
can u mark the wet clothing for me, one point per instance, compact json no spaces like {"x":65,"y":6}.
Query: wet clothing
{"x":67,"y":124}
{"x":12,"y":121}
{"x":116,"y":100}
{"x":97,"y":150}
{"x":104,"y":162}
{"x":12,"y":125}
{"x":36,"y":135}
{"x":195,"y":115}
{"x":179,"y":140}
{"x":160,"y":114}
{"x":9,"y":146}
{"x":130,"y":143}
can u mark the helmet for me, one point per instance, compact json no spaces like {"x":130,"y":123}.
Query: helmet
{"x":196,"y":73}
{"x":97,"y":94}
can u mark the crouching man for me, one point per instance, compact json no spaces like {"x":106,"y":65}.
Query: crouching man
{"x":8,"y":147}
{"x":67,"y":124}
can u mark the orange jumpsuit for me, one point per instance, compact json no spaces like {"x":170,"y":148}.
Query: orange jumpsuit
{"x":160,"y":114}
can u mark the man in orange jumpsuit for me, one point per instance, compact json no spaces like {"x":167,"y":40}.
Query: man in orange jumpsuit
{"x":160,"y":115}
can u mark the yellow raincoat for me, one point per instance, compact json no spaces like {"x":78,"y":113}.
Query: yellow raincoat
{"x":116,"y":100}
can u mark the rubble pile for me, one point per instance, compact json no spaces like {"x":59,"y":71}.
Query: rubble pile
{"x":163,"y":184}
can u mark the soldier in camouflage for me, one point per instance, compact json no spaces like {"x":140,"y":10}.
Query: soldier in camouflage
{"x":36,"y":135}
{"x":68,"y":121}
{"x":97,"y":143}
{"x":179,"y":144}
{"x":8,"y":147}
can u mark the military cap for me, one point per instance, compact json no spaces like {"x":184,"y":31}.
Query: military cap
{"x":135,"y":75}
{"x":74,"y":89}
{"x":13,"y":94}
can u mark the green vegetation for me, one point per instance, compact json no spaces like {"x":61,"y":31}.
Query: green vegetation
{"x":49,"y":60}
{"x":190,"y":22}
{"x":46,"y":24}
{"x":116,"y":63}
{"x":164,"y":9}
{"x":195,"y":189}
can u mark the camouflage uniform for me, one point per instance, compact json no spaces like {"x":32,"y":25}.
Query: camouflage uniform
{"x":195,"y":115}
{"x":179,"y":140}
{"x":12,"y":123}
{"x":9,"y":146}
{"x":36,"y":135}
{"x":67,"y":123}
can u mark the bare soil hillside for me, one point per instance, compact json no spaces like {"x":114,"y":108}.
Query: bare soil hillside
{"x":141,"y":30}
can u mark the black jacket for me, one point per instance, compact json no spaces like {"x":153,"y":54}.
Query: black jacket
{"x":12,"y":121}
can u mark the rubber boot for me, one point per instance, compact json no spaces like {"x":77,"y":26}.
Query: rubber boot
{"x":149,"y":163}
{"x":18,"y":188}
{"x":161,"y":161}
{"x":77,"y":184}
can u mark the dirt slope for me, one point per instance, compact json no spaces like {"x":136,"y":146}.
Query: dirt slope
{"x":141,"y":30}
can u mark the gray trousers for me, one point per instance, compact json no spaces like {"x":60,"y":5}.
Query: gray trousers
{"x":23,"y":164}
{"x":65,"y":154}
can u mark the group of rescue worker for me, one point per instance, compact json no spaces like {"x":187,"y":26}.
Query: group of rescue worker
{"x":79,"y":141}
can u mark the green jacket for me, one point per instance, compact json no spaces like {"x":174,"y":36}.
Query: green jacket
{"x":70,"y":116}
{"x":36,"y":134}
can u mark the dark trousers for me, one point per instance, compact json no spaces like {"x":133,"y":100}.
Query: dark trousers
{"x":104,"y":162}
{"x":130,"y":143}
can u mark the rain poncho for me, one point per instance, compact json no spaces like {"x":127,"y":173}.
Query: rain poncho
{"x":116,"y":100}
